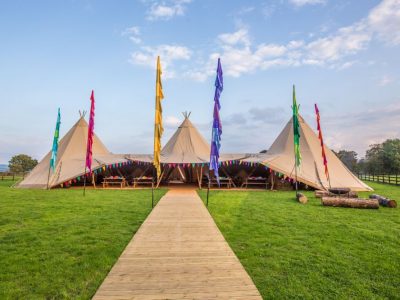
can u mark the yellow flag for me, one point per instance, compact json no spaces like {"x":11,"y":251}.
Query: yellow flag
{"x":158,"y":127}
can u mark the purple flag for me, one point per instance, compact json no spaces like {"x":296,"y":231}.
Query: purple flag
{"x":217,"y":126}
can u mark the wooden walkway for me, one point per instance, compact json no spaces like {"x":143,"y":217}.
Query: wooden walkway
{"x":178,"y":253}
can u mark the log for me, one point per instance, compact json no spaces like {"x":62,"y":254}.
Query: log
{"x":301,"y":198}
{"x":383,"y":201}
{"x":322,"y":193}
{"x":339,"y":191}
{"x":350,"y":202}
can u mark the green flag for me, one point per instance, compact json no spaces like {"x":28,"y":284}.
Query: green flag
{"x":296,"y":130}
{"x":54,"y":150}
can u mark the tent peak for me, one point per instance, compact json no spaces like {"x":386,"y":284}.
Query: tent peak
{"x":186,"y":114}
{"x":82,"y":113}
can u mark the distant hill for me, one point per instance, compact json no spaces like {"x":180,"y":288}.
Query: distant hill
{"x":3,"y":168}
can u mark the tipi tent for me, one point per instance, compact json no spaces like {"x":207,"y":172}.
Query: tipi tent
{"x":70,"y":159}
{"x":186,"y":146}
{"x":280,"y":158}
{"x":186,"y":155}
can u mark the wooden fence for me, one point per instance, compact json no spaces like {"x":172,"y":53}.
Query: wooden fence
{"x":10,"y":176}
{"x":382,"y":178}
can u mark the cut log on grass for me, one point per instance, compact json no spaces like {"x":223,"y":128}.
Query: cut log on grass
{"x":384,"y":201}
{"x":302,"y":198}
{"x":350,"y":202}
{"x":321,"y":193}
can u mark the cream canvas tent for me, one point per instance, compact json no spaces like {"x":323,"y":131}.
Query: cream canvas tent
{"x":70,"y":159}
{"x":186,"y":146}
{"x":186,"y":155}
{"x":280,"y":158}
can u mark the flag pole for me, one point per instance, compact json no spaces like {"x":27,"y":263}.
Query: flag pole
{"x":48,"y":178}
{"x":84,"y":182}
{"x":152,"y":189}
{"x":208,"y":187}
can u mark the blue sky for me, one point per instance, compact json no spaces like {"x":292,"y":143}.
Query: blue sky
{"x":341,"y":54}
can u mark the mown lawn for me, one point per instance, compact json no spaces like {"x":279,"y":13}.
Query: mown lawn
{"x":310,"y":251}
{"x":60,"y":245}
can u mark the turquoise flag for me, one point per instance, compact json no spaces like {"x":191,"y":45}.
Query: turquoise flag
{"x":54,"y":151}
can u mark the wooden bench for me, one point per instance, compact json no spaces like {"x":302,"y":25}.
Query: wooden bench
{"x":142,"y":180}
{"x":223,"y":181}
{"x":114,"y":181}
{"x":255,"y":181}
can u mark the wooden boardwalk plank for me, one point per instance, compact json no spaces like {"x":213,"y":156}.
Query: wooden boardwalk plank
{"x":178,"y":253}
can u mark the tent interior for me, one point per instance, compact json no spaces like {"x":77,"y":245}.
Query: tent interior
{"x":184,"y":160}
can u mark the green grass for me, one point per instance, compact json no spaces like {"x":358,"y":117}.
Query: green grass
{"x":295,"y":251}
{"x":60,"y":245}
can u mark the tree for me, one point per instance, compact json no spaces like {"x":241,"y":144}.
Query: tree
{"x":383,"y":158}
{"x":349,"y":158}
{"x":391,"y":156}
{"x":21,"y":163}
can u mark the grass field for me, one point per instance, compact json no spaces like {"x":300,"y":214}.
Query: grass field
{"x":310,"y":251}
{"x":59,"y":245}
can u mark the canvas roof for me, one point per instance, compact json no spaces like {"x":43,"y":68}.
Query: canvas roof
{"x":70,"y":159}
{"x":186,"y":145}
{"x":280,"y":158}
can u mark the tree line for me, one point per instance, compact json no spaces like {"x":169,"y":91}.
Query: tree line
{"x":381,"y":158}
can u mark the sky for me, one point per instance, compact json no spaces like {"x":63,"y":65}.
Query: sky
{"x":341,"y":54}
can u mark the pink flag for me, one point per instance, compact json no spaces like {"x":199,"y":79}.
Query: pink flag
{"x":90,"y":136}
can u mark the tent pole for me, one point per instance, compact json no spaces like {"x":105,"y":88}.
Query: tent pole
{"x":295,"y":172}
{"x":84,"y":182}
{"x":48,"y":178}
{"x":152,"y":189}
{"x":208,"y":188}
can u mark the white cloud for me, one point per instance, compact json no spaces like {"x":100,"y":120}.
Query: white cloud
{"x":347,"y":41}
{"x":299,"y":3}
{"x":385,"y":80}
{"x":384,"y":20}
{"x":147,"y":56}
{"x":271,"y":50}
{"x":238,"y":37}
{"x":166,"y":10}
{"x":368,"y":126}
{"x":133,"y":33}
{"x":172,"y":122}
{"x":240,"y":56}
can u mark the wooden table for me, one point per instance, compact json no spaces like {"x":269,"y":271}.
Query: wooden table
{"x":227,"y":181}
{"x":114,"y":180}
{"x":142,"y":180}
{"x":255,"y":181}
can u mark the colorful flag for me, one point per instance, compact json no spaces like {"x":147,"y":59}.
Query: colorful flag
{"x":89,"y":153}
{"x":296,"y":130}
{"x":325,"y":161}
{"x":217,"y":126}
{"x":158,"y":127}
{"x":54,"y":150}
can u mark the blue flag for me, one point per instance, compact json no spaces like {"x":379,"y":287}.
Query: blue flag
{"x":217,"y":126}
{"x":54,"y":150}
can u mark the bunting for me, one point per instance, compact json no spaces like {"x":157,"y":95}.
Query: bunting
{"x":325,"y":161}
{"x":217,"y":126}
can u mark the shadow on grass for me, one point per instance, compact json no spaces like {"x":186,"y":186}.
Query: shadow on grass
{"x":310,"y":251}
